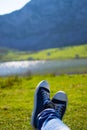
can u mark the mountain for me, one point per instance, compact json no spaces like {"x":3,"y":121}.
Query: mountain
{"x":43,"y":24}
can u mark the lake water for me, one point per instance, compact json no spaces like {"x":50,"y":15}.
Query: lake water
{"x":43,"y":67}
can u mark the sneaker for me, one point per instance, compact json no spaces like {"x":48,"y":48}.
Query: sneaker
{"x":60,"y":101}
{"x":41,"y":101}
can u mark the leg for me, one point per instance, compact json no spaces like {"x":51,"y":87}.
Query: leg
{"x":48,"y":120}
{"x":41,"y":101}
{"x":47,"y":114}
{"x":52,"y":118}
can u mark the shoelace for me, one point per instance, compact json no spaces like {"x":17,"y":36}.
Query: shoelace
{"x":60,"y":110}
{"x":46,"y":100}
{"x":45,"y":95}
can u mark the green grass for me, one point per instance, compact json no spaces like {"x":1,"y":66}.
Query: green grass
{"x":49,"y":54}
{"x":16,"y":100}
{"x":62,"y":53}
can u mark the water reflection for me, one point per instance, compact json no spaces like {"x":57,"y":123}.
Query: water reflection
{"x":42,"y":67}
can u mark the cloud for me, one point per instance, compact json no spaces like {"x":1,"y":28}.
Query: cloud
{"x":8,"y":6}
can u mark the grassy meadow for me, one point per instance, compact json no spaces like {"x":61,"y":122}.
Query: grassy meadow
{"x":16,"y":100}
{"x":49,"y":54}
{"x":17,"y":93}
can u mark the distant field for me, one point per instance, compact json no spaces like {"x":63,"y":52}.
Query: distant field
{"x":50,"y":54}
{"x":16,"y":100}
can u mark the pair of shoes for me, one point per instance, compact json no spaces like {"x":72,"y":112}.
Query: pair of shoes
{"x":42,"y":101}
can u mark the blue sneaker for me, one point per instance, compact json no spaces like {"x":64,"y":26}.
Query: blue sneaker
{"x":41,"y":101}
{"x":60,"y":101}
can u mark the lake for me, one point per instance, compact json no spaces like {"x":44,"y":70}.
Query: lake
{"x":43,"y":67}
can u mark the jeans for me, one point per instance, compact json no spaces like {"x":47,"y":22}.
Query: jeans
{"x":48,"y":120}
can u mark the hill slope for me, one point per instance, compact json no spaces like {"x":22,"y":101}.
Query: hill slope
{"x":49,"y":54}
{"x":43,"y":24}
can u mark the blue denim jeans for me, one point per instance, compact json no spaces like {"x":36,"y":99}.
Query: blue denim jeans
{"x":48,"y":120}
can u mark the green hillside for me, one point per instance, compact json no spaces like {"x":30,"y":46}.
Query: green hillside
{"x":49,"y":54}
{"x":17,"y":94}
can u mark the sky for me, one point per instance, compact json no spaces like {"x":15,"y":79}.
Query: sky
{"x":8,"y":6}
